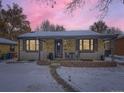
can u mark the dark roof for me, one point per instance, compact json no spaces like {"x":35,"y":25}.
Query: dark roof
{"x":120,"y":36}
{"x":65,"y":34}
{"x":7,"y":41}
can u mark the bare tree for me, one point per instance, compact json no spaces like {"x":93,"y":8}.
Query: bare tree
{"x":101,"y":5}
{"x":102,"y":28}
{"x":113,"y":30}
{"x":50,"y":3}
{"x":47,"y":26}
{"x":99,"y":27}
{"x":60,"y":28}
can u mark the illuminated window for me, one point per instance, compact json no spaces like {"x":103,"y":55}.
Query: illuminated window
{"x":81,"y":45}
{"x":91,"y":48}
{"x":37,"y":45}
{"x":86,"y":45}
{"x":27,"y":45}
{"x":32,"y":45}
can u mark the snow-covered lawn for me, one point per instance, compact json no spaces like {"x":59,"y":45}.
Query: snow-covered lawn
{"x":94,"y":79}
{"x":26,"y":77}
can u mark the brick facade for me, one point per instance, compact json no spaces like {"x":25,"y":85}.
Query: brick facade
{"x":119,"y":47}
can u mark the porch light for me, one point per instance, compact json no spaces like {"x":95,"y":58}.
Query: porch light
{"x":58,"y":44}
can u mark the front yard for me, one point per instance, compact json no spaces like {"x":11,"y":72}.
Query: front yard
{"x":26,"y":77}
{"x":94,"y":79}
{"x":33,"y":77}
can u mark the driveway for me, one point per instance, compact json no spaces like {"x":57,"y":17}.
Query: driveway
{"x":26,"y":77}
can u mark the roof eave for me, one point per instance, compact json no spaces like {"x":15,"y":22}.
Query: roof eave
{"x":60,"y":37}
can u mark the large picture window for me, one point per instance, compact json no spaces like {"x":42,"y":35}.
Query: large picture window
{"x":32,"y":45}
{"x":86,"y":45}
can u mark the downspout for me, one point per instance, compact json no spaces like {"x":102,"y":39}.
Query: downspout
{"x":113,"y":48}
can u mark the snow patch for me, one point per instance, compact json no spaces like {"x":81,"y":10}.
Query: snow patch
{"x":94,"y":79}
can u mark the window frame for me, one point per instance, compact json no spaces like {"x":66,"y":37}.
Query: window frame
{"x":91,"y":46}
{"x":36,"y":45}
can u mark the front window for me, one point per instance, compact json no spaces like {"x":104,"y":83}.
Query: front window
{"x":86,"y":45}
{"x":32,"y":45}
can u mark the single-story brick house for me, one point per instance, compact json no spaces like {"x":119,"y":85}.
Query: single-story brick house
{"x":7,"y":46}
{"x":63,"y":45}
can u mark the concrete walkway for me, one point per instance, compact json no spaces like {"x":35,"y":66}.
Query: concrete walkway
{"x":66,"y":86}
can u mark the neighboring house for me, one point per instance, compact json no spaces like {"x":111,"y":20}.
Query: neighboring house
{"x":119,"y":44}
{"x":119,"y":48}
{"x":7,"y":48}
{"x":63,"y":45}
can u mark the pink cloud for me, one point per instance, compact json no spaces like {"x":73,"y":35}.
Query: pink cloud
{"x":82,"y":18}
{"x":119,"y":23}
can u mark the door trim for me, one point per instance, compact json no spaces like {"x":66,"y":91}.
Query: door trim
{"x":57,"y":54}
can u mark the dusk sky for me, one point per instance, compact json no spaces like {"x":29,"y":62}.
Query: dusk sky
{"x":81,"y":18}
